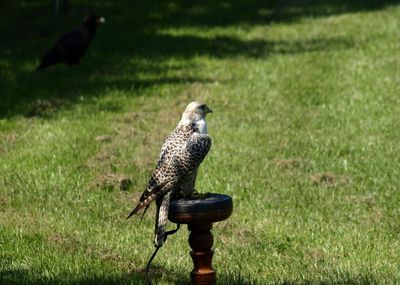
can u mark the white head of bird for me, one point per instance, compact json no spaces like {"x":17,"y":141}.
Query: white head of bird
{"x":196,"y":112}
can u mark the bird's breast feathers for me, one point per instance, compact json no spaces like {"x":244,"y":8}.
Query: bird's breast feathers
{"x":188,"y":126}
{"x":202,"y":126}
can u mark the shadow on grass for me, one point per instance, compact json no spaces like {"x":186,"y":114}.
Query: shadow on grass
{"x":130,"y":53}
{"x":18,"y":277}
{"x":238,"y":279}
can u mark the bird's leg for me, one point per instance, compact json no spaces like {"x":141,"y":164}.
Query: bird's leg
{"x":188,"y":185}
{"x":162,"y":219}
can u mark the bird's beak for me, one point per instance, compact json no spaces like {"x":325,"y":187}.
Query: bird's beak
{"x":208,"y":110}
{"x":101,"y":20}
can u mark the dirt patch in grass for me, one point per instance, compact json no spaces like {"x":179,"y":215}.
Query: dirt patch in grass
{"x":70,"y":244}
{"x":103,"y":156}
{"x":375,"y":218}
{"x":7,"y":140}
{"x":125,"y":132}
{"x":109,"y":256}
{"x":241,"y":235}
{"x":44,"y":107}
{"x":314,"y":256}
{"x":155,"y":271}
{"x":289,"y":163}
{"x":65,"y":243}
{"x":130,"y":117}
{"x":367,"y":200}
{"x":114,"y":181}
{"x":56,"y":239}
{"x":329,"y":179}
{"x":196,"y":90}
{"x":100,"y":159}
{"x":103,"y":138}
{"x":3,"y":201}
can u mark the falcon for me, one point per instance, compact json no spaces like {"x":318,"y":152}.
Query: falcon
{"x":71,"y":46}
{"x":176,"y":169}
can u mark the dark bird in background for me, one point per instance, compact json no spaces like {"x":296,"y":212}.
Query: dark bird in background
{"x":71,"y":46}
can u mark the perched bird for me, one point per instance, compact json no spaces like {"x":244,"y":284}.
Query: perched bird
{"x":71,"y":46}
{"x":176,"y":169}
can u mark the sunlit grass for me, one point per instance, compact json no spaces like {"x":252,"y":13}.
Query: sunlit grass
{"x":305,"y":140}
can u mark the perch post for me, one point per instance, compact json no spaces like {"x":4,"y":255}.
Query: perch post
{"x":60,"y":7}
{"x":199,"y":215}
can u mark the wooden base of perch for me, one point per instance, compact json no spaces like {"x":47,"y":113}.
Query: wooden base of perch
{"x":199,"y":215}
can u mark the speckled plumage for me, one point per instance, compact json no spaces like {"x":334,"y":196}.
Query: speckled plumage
{"x":175,"y":172}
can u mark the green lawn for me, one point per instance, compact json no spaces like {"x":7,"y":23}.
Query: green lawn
{"x":306,"y":101}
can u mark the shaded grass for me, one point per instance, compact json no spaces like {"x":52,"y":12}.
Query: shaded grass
{"x":305,"y":131}
{"x":147,"y":49}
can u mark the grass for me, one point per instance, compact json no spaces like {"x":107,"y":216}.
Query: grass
{"x":305,"y":130}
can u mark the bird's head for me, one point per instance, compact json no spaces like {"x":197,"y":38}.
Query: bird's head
{"x":92,"y":21}
{"x":196,"y":111}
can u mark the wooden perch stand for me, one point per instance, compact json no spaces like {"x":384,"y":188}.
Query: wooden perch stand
{"x":199,"y":215}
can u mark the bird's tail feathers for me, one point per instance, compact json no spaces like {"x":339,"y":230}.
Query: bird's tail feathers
{"x":53,"y":56}
{"x":151,"y":193}
{"x":161,"y":220}
{"x":141,"y":205}
{"x":144,"y":212}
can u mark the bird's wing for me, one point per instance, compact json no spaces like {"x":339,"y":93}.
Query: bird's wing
{"x":156,"y":181}
{"x":166,"y":149}
{"x":73,"y":43}
{"x":183,"y":159}
{"x":192,"y":154}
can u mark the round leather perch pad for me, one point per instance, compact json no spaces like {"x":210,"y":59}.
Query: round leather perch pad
{"x":209,"y":209}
